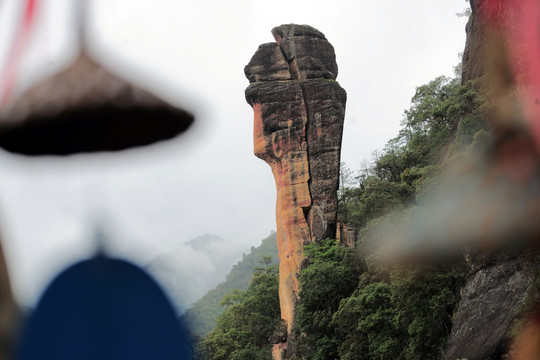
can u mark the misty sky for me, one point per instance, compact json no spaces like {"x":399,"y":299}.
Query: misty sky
{"x":207,"y":181}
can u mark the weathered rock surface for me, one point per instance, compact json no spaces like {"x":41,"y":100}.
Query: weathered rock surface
{"x":299,"y":111}
{"x":492,"y":300}
{"x":474,"y":59}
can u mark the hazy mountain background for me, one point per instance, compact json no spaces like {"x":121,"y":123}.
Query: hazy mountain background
{"x":190,"y":270}
{"x":201,"y":317}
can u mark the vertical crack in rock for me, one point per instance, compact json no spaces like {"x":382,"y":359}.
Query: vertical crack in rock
{"x":299,"y":110}
{"x":287,"y":46}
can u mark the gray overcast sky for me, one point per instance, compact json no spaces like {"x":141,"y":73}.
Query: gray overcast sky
{"x":208,"y":181}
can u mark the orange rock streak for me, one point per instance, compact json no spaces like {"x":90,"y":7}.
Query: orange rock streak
{"x":291,"y":174}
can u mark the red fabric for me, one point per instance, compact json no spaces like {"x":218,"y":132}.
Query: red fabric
{"x":29,"y":13}
{"x":9,"y":73}
{"x":519,"y":22}
{"x":489,"y":10}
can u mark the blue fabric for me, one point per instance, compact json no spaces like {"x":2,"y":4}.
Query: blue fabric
{"x":103,"y":309}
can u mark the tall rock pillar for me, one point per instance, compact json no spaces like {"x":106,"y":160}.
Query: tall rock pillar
{"x":299,"y":111}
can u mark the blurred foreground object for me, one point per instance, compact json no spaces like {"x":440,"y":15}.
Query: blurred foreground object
{"x":83,"y":108}
{"x":86,"y":108}
{"x":104,"y":308}
{"x":9,"y":314}
{"x":486,"y":205}
{"x":100,"y":304}
{"x":489,"y":199}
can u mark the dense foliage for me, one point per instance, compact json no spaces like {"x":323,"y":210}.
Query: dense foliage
{"x":347,"y":312}
{"x":406,"y":317}
{"x":244,"y":329}
{"x":332,"y":274}
{"x":202,"y":315}
{"x":443,"y":119}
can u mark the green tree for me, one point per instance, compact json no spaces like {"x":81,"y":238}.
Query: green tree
{"x":391,"y":163}
{"x":407,"y":316}
{"x":243,"y":330}
{"x":474,"y":110}
{"x":424,"y":301}
{"x":442,"y":112}
{"x":375,"y":198}
{"x":331,"y":274}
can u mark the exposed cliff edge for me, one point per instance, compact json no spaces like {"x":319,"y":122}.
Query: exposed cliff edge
{"x":474,"y":59}
{"x":299,"y":111}
{"x":492,"y":302}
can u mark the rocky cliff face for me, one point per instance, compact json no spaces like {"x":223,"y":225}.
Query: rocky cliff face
{"x":493,"y":301}
{"x":474,"y":59}
{"x":299,"y":111}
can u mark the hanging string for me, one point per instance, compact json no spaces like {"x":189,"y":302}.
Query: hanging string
{"x":81,"y":10}
{"x":20,"y":40}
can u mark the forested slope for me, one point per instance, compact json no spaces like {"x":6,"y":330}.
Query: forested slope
{"x":201,"y":316}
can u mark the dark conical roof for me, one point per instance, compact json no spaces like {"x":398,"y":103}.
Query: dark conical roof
{"x":86,"y":108}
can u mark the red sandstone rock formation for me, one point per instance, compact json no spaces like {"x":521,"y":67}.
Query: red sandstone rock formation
{"x":299,"y":111}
